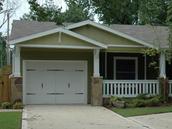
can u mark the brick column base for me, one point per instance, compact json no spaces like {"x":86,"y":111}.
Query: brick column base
{"x":96,"y":91}
{"x":164,"y":88}
{"x":16,"y":88}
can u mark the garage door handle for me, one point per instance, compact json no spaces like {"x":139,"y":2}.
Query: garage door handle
{"x":68,"y":85}
{"x":79,"y":93}
{"x":42,"y":85}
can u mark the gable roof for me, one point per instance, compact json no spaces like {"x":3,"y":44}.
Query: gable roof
{"x":145,"y":35}
{"x":52,"y":31}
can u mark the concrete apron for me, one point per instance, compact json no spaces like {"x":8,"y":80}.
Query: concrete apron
{"x":154,"y":121}
{"x":74,"y":117}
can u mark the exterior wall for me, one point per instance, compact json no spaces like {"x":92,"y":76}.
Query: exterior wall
{"x":54,"y":39}
{"x":61,"y":54}
{"x":151,"y":73}
{"x":103,"y":36}
{"x":169,"y":70}
{"x":110,"y":64}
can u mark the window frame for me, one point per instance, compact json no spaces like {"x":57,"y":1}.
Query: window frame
{"x":126,"y":58}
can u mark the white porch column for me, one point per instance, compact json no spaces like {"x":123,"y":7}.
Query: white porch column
{"x":162,"y":65}
{"x":16,"y":62}
{"x":96,"y":63}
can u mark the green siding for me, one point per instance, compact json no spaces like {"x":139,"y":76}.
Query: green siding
{"x":103,"y":36}
{"x":53,"y":39}
{"x":61,"y":54}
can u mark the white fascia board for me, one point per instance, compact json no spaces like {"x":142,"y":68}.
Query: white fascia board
{"x":84,"y":38}
{"x":33,"y":36}
{"x":56,"y":46}
{"x":125,"y":46}
{"x":88,"y":22}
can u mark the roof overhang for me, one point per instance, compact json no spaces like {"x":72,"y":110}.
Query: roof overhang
{"x":102,"y":27}
{"x":62,"y":30}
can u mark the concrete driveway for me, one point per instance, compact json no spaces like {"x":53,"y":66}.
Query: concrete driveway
{"x":155,"y":121}
{"x":74,"y":117}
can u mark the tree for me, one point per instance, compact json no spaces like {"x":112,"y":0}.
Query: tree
{"x":169,"y":12}
{"x":12,"y":7}
{"x":153,"y":12}
{"x":132,"y":11}
{"x":1,"y":4}
{"x":78,"y":10}
{"x":3,"y":60}
{"x":43,"y":12}
{"x":117,"y":11}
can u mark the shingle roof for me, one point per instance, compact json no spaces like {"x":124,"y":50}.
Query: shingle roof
{"x":157,"y":35}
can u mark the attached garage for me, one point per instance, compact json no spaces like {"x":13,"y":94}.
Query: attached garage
{"x":54,"y":82}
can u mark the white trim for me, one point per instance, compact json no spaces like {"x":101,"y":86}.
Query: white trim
{"x":162,"y":65}
{"x":125,"y":46}
{"x":16,"y":68}
{"x":33,"y":36}
{"x":76,"y":35}
{"x":86,"y":76}
{"x":88,"y":22}
{"x":127,"y":58}
{"x":96,"y":62}
{"x":56,"y":46}
{"x":68,"y":32}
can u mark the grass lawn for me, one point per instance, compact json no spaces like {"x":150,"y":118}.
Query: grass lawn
{"x":127,"y":112}
{"x":10,"y":120}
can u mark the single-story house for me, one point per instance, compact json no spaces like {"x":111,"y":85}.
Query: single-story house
{"x":79,"y":63}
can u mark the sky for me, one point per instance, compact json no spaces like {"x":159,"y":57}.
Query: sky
{"x":23,"y":7}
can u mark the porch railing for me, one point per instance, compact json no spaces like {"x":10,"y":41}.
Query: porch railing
{"x":170,"y":88}
{"x":130,"y":88}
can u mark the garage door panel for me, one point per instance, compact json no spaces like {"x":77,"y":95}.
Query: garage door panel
{"x":49,"y":86}
{"x":33,"y":87}
{"x":56,"y":82}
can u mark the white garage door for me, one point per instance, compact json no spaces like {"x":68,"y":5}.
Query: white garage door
{"x":55,"y":82}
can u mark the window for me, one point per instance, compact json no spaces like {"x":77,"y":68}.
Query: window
{"x":125,"y":68}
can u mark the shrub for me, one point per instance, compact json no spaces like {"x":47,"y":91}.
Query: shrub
{"x":142,"y":96}
{"x":17,"y":105}
{"x":139,"y":103}
{"x":6,"y":105}
{"x":155,"y":101}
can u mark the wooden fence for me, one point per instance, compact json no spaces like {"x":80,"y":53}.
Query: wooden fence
{"x":5,"y":88}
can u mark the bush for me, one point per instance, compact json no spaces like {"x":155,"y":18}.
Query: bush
{"x":17,"y":105}
{"x":6,"y":105}
{"x":139,"y":103}
{"x":142,"y":101}
{"x":155,"y":101}
{"x":142,"y":96}
{"x":113,"y":99}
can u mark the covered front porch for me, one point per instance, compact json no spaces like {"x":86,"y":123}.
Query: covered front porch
{"x":130,"y":74}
